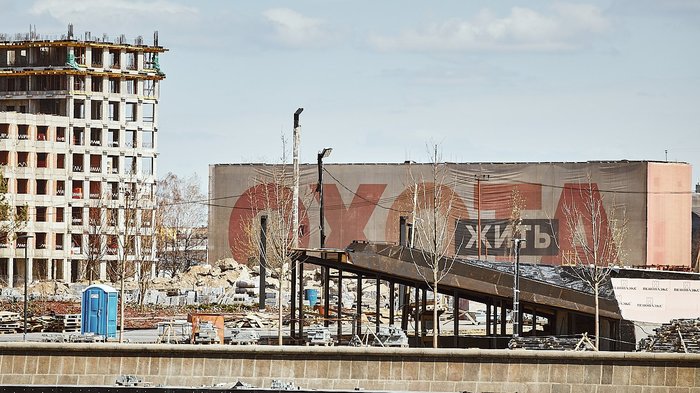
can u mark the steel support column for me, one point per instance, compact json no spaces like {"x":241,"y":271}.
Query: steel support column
{"x":392,"y":299}
{"x":301,"y":301}
{"x":377,"y":304}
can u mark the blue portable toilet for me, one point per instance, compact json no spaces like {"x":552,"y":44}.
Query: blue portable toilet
{"x":99,"y":310}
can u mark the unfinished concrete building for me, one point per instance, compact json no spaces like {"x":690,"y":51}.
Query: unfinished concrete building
{"x":78,"y":140}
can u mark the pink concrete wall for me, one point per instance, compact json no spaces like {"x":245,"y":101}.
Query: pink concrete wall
{"x":669,"y":202}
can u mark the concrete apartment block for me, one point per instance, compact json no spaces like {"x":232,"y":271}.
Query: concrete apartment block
{"x":78,"y":148}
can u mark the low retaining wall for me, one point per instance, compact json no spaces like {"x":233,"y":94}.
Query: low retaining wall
{"x":447,"y":370}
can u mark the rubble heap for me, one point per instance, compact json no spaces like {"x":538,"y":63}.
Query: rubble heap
{"x":680,"y":335}
{"x":548,"y":343}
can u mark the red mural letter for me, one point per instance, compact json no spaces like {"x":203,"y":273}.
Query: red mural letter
{"x":579,"y":199}
{"x":247,"y":207}
{"x":348,"y":224}
{"x":498,"y":197}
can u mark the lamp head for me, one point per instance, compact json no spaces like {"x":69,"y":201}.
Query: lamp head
{"x":325,"y":152}
{"x":296,"y":117}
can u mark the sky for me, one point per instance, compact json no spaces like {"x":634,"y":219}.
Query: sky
{"x":380,"y":81}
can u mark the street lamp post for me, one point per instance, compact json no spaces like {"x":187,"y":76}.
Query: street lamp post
{"x":479,"y":178}
{"x":295,"y":192}
{"x":516,"y":289}
{"x":26,"y":246}
{"x":321,"y":155}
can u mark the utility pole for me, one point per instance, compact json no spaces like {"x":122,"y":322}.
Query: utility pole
{"x":295,"y":196}
{"x":516,"y":289}
{"x":479,"y":178}
{"x":26,"y":281}
{"x":321,"y":155}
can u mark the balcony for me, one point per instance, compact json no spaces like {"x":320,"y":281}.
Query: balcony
{"x":77,"y":221}
{"x":59,"y":247}
{"x":112,"y":250}
{"x":95,"y":142}
{"x":77,"y":168}
{"x":95,"y":169}
{"x":77,"y":195}
{"x":61,"y":192}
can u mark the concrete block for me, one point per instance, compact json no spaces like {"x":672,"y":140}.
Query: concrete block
{"x":440,"y":371}
{"x":409,"y":371}
{"x":528,"y":373}
{"x":574,"y":373}
{"x":671,"y":376}
{"x":235,"y":368}
{"x":592,"y":374}
{"x":583,"y":388}
{"x":499,"y":372}
{"x":143,"y":364}
{"x":197,"y":367}
{"x":80,"y":365}
{"x":248,"y":368}
{"x":657,"y":376}
{"x":359,"y":369}
{"x":42,"y":364}
{"x":114,"y":365}
{"x":639,"y":375}
{"x":606,"y":375}
{"x":299,"y":368}
{"x":561,"y":388}
{"x":45,"y":379}
{"x":543,"y":370}
{"x":129,"y":366}
{"x":621,"y":375}
{"x":459,"y":371}
{"x":685,"y":377}
{"x":396,"y":370}
{"x":442,"y":386}
{"x":426,"y":370}
{"x":484,"y":371}
{"x":557,"y":373}
{"x":262,"y":368}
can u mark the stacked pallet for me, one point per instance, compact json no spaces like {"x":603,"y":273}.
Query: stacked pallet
{"x":64,"y":323}
{"x":10,"y":322}
{"x":546,"y":343}
{"x":680,"y":335}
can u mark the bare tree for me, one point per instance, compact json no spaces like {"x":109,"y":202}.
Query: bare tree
{"x":135,"y":200}
{"x":434,"y":228}
{"x":515,"y":222}
{"x":180,"y":220}
{"x":595,"y":237}
{"x":273,"y":196}
{"x":12,"y":219}
{"x":96,"y":248}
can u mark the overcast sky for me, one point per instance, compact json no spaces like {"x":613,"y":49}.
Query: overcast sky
{"x":489,"y":81}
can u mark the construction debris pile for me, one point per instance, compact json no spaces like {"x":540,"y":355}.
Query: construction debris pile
{"x":12,"y":322}
{"x":551,"y":343}
{"x":680,"y":335}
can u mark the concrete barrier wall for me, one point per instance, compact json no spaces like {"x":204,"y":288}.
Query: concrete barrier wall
{"x":446,"y":370}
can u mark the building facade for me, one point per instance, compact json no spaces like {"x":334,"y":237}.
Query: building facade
{"x":78,"y":143}
{"x":368,"y":202}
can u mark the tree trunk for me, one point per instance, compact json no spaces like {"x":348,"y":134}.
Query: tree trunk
{"x":597,"y":317}
{"x":435,"y":313}
{"x":280,"y":341}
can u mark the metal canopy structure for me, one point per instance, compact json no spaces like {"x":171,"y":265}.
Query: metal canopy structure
{"x":544,"y":292}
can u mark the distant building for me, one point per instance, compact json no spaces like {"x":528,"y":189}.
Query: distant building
{"x":367,"y":201}
{"x":78,"y":142}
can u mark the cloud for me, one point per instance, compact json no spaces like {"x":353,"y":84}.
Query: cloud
{"x":113,"y":13}
{"x":565,"y":27}
{"x":295,"y":30}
